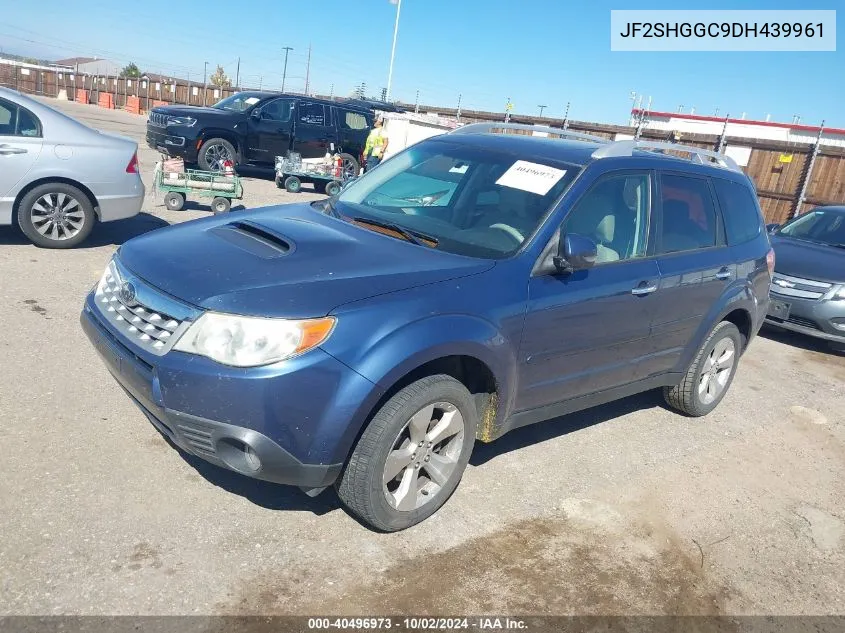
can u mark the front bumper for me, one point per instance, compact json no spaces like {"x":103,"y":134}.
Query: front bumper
{"x":171,"y":144}
{"x":816,"y":318}
{"x":292,"y":424}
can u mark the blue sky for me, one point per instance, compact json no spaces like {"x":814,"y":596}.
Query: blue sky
{"x":547,"y":52}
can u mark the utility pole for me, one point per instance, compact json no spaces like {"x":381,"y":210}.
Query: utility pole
{"x":508,"y":108}
{"x":398,"y":4}
{"x":308,"y":72}
{"x":721,"y":148}
{"x":331,"y":93}
{"x":238,"y":73}
{"x":809,"y":173}
{"x":542,"y":107}
{"x":566,"y":116}
{"x":286,"y":49}
{"x":204,"y":83}
{"x":459,"y":107}
{"x":417,"y":103}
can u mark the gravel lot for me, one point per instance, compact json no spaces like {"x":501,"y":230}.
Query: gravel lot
{"x":626,"y":508}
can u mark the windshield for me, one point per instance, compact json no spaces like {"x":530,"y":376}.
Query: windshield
{"x":467,"y":200}
{"x":824,"y":226}
{"x":237,"y":103}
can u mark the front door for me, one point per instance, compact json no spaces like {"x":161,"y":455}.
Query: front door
{"x":586,"y":331}
{"x":20,"y":146}
{"x":315,"y":133}
{"x":695,"y":265}
{"x":270,"y":131}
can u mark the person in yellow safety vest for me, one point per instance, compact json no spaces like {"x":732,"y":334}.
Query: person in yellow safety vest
{"x":376,"y":145}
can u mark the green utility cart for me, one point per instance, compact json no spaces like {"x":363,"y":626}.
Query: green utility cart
{"x":201,"y":184}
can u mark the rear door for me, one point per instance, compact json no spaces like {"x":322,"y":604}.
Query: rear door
{"x":314,"y":130}
{"x":695,"y":264}
{"x":270,"y":131}
{"x":588,"y":331}
{"x":20,"y":145}
{"x":353,"y":127}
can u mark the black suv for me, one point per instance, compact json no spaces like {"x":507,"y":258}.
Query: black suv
{"x":255,"y":127}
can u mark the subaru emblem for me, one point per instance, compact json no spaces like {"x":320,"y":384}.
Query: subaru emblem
{"x":127,"y":293}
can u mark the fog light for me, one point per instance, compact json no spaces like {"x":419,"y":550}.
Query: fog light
{"x":238,"y":456}
{"x":838,"y":323}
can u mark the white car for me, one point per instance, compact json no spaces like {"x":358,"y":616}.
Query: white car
{"x":58,"y":177}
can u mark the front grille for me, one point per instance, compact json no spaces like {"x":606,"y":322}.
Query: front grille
{"x":808,"y":323}
{"x":158,"y":119}
{"x":787,"y":286}
{"x":133,"y":308}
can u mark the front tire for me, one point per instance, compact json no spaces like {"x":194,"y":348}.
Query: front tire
{"x":214,"y":152}
{"x":56,"y":215}
{"x":710,"y":374}
{"x":412,"y":454}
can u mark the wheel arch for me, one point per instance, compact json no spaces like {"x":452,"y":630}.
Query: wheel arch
{"x":50,"y":179}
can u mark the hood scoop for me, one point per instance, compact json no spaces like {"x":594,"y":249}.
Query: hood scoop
{"x":254,"y":238}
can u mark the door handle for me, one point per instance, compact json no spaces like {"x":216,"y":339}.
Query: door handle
{"x":641,"y":290}
{"x":723,"y":274}
{"x":5,"y":150}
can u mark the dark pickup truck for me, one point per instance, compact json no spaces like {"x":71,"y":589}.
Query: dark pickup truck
{"x":255,"y":127}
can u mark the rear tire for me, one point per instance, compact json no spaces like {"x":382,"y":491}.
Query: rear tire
{"x":220,"y":205}
{"x":293,"y":184}
{"x":174,"y":200}
{"x":710,"y":374}
{"x":423,"y":436}
{"x":214,"y":151}
{"x":56,"y":215}
{"x":350,"y":167}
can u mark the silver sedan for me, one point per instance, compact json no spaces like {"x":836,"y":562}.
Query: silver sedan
{"x":58,"y":177}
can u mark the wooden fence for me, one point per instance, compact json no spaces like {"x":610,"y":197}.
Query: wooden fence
{"x":778,"y":169}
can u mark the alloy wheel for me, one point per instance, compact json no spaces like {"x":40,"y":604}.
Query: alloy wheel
{"x":216,"y":155}
{"x":717,"y":370}
{"x":57,"y":216}
{"x":424,"y":456}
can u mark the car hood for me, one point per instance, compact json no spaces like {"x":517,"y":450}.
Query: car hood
{"x":284,"y":261}
{"x":807,"y":260}
{"x":194,"y":111}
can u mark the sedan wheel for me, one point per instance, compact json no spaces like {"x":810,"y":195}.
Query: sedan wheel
{"x":56,"y":215}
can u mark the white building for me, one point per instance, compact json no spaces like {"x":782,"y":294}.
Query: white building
{"x":742,"y":128}
{"x":91,"y":66}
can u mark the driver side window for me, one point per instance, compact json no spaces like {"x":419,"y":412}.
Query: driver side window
{"x":614,"y":213}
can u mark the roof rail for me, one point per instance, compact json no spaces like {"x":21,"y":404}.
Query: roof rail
{"x":697,"y":154}
{"x":489,"y":126}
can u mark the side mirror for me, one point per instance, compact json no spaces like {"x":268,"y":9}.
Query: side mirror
{"x":256,"y":114}
{"x":575,"y":252}
{"x":771,"y":228}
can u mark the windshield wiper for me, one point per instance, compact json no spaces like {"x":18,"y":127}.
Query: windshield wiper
{"x":410,"y":236}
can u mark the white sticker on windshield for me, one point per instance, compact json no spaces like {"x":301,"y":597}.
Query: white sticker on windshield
{"x":531,"y":177}
{"x":251,"y":100}
{"x":459,"y":169}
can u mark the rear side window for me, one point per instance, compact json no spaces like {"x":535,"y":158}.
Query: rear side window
{"x":17,"y":121}
{"x":352,"y":120}
{"x":689,"y":215}
{"x":739,"y":210}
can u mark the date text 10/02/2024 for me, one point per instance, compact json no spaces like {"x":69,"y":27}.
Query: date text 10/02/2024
{"x":417,"y":623}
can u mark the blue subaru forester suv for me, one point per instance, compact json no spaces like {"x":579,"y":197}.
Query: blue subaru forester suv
{"x":474,"y":283}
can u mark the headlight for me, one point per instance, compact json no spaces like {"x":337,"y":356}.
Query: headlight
{"x":252,"y":341}
{"x":181,"y":120}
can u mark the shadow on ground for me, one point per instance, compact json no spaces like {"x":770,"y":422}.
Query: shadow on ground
{"x":108,"y":233}
{"x":543,"y":431}
{"x":261,"y":493}
{"x":801,"y":341}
